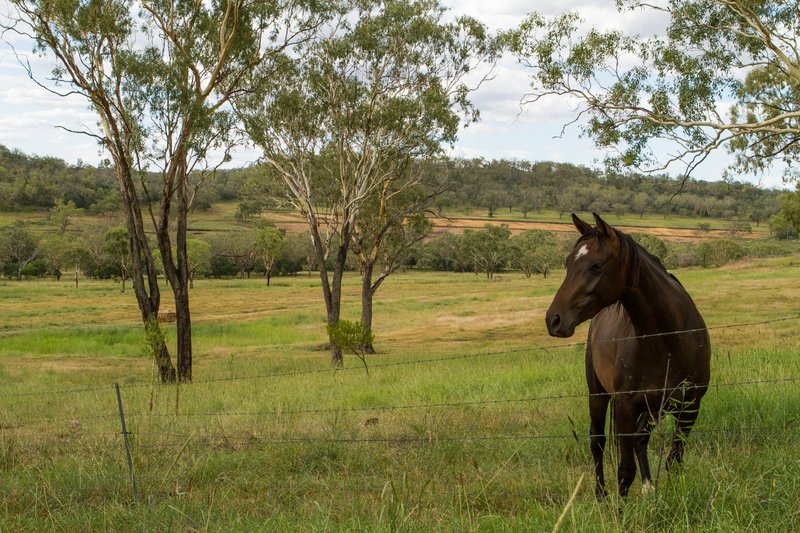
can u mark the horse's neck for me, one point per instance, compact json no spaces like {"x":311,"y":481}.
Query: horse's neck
{"x":648,"y":303}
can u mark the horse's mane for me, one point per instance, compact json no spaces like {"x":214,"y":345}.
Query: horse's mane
{"x":637,"y":251}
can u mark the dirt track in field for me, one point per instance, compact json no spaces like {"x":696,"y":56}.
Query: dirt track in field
{"x":295,"y":223}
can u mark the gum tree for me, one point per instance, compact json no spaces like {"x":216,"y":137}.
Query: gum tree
{"x":724,"y":75}
{"x":385,"y":86}
{"x":160,"y":74}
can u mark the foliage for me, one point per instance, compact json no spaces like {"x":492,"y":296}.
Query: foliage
{"x":718,"y":252}
{"x":352,"y":337}
{"x":524,"y":186}
{"x":59,"y":252}
{"x":536,"y":252}
{"x":40,"y":182}
{"x":269,"y":245}
{"x":61,"y":213}
{"x":383,"y":86}
{"x":724,"y":75}
{"x":18,"y":247}
{"x":652,"y":244}
{"x":199,"y":257}
{"x":489,"y":249}
{"x":786,"y":222}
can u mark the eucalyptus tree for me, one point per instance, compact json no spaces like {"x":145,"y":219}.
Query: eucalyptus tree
{"x":18,"y":246}
{"x":90,"y":44}
{"x":115,"y":245}
{"x":385,"y":85}
{"x":62,"y":213}
{"x":725,"y":74}
{"x":269,"y":245}
{"x":160,"y":74}
{"x":536,"y":252}
{"x":489,"y":248}
{"x":198,"y":255}
{"x":59,"y":252}
{"x":389,"y":224}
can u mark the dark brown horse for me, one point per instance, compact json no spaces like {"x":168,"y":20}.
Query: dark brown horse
{"x":633,"y":354}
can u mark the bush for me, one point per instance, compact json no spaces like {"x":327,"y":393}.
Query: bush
{"x":35,"y":269}
{"x":652,"y":244}
{"x":719,"y":252}
{"x":223,"y":267}
{"x":681,"y":255}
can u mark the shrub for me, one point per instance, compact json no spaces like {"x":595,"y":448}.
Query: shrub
{"x":719,"y":252}
{"x":681,"y":255}
{"x":652,"y":244}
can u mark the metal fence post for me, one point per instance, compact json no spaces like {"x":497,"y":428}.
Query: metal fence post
{"x":127,"y":444}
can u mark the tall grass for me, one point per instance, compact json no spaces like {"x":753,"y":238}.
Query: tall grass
{"x":470,"y":418}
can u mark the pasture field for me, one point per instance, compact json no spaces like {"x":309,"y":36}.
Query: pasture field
{"x":220,"y":219}
{"x":470,"y":417}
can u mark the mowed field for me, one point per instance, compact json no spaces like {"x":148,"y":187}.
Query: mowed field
{"x":470,"y":418}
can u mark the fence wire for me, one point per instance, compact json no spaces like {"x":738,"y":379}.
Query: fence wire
{"x":427,"y":360}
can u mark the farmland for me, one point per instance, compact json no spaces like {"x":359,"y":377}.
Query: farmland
{"x":470,"y":417}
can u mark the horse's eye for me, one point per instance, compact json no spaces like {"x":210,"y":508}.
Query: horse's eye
{"x":596,"y":267}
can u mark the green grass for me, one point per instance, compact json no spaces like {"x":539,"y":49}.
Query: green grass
{"x":445,"y":433}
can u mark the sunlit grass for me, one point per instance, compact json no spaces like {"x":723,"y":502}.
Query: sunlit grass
{"x":464,"y":422}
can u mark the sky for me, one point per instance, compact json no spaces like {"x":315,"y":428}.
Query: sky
{"x":30,"y":116}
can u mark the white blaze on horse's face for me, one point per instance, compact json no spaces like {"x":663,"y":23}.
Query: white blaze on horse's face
{"x":583,"y":250}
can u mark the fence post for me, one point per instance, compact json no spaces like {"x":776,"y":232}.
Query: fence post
{"x":127,"y":444}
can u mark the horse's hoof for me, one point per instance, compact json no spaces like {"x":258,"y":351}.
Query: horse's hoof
{"x":648,"y":488}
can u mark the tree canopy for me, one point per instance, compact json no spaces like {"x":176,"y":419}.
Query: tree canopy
{"x":724,"y":75}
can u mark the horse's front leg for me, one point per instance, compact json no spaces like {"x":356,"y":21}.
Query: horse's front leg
{"x":625,"y":423}
{"x":598,"y":407}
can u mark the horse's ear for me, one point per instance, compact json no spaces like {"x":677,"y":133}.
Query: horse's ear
{"x":604,"y":229}
{"x":582,"y":226}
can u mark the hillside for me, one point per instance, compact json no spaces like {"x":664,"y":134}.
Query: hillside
{"x":492,"y":189}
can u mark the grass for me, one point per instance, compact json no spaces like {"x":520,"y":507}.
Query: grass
{"x":649,"y":220}
{"x":444,"y":434}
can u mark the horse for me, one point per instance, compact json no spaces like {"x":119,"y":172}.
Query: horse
{"x":648,"y":348}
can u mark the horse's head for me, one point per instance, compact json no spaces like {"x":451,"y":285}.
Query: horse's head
{"x":596,"y":277}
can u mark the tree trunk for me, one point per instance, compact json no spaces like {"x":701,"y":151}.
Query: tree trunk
{"x":184,"y":330}
{"x":331,"y":289}
{"x":367,"y":294}
{"x":144,"y":279}
{"x":269,"y":275}
{"x":177,"y":271}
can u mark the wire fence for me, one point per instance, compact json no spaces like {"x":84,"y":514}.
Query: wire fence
{"x":426,"y":360}
{"x":154,"y":430}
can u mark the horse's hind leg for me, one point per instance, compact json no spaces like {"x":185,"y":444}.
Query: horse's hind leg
{"x":643,"y":428}
{"x":685,"y":420}
{"x":625,"y":425}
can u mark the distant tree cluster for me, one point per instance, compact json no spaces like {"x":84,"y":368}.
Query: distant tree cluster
{"x":492,"y":249}
{"x":502,"y":186}
{"x":497,"y":186}
{"x":29,"y":182}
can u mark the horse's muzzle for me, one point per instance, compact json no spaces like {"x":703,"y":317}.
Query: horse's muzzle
{"x":557,"y":327}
